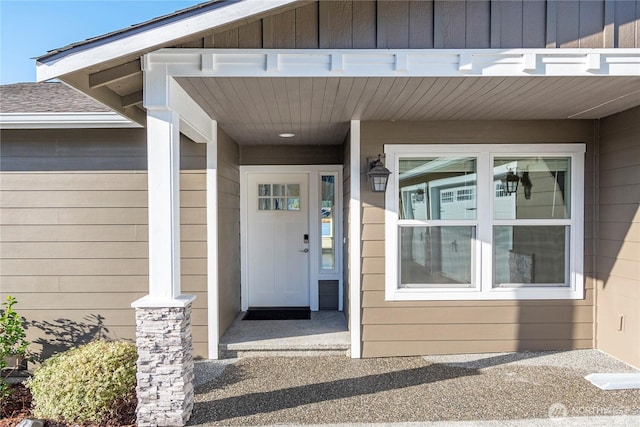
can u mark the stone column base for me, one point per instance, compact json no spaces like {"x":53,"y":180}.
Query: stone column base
{"x":165,"y":365}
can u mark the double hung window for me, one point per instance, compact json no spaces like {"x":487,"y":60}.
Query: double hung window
{"x":484,"y":222}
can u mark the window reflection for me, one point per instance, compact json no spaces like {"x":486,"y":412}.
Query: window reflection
{"x":543,"y":190}
{"x":327,"y":222}
{"x":438,"y":188}
{"x":529,"y":255}
{"x":436,"y":256}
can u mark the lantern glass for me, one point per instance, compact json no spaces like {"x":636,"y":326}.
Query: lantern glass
{"x":378,"y":176}
{"x":379,"y":183}
{"x":511,"y":183}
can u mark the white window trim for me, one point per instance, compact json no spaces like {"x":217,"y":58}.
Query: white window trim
{"x":483,"y":257}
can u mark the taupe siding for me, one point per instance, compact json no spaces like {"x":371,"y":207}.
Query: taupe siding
{"x":228,"y":230}
{"x":426,"y":24}
{"x":432,"y":327}
{"x":74,"y":235}
{"x":618,"y":249}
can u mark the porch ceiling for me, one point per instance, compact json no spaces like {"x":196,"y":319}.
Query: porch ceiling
{"x":255,"y":110}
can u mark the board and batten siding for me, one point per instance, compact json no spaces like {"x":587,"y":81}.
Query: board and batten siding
{"x":228,"y":230}
{"x":618,"y":237}
{"x":74,"y":232}
{"x":425,"y":24}
{"x":403,"y":328}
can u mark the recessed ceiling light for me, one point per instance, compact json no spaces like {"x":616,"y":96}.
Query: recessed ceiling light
{"x":287,"y":135}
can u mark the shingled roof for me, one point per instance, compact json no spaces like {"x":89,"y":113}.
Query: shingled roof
{"x":52,"y":97}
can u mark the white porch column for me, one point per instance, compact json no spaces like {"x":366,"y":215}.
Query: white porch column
{"x":163,"y":156}
{"x":213,"y":300}
{"x":355,"y":288}
{"x":163,"y":318}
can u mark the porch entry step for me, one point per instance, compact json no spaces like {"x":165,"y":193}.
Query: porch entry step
{"x":325,"y":333}
{"x":278,"y":313}
{"x":232,"y":354}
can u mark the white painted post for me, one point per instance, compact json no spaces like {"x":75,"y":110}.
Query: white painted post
{"x":355,"y":305}
{"x":212,"y":244}
{"x":163,"y":156}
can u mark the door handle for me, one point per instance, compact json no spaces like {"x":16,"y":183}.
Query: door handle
{"x":305,"y":250}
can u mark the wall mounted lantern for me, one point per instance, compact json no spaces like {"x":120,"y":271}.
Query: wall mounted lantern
{"x":511,"y":182}
{"x":378,"y":176}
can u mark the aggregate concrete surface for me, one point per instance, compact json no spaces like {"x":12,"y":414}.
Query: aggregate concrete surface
{"x":534,"y":388}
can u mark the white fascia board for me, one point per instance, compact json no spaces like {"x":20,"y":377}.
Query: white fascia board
{"x":65,"y":121}
{"x":143,"y":40}
{"x":396,"y":62}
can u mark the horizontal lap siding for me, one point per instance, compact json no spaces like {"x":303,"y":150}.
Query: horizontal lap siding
{"x":439,"y":327}
{"x":74,"y":234}
{"x":427,"y":24}
{"x":618,"y":238}
{"x":228,"y":231}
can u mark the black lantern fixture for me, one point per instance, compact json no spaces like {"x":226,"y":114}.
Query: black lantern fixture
{"x":527,"y":184}
{"x":511,"y":183}
{"x":378,"y":176}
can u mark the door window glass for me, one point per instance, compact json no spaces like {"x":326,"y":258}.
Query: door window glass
{"x":279,"y":197}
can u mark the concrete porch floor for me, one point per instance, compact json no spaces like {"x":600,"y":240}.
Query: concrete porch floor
{"x":326,"y":333}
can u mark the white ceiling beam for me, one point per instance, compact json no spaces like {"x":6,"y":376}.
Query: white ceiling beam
{"x":397,"y":62}
{"x":194,"y":121}
{"x":115,"y":74}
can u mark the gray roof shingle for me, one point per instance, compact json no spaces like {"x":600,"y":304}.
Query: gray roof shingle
{"x":183,"y":13}
{"x":52,"y":97}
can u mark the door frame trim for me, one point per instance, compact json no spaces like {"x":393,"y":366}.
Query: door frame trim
{"x":315,"y":275}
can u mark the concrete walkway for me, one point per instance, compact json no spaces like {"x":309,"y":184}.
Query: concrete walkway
{"x":517,"y":389}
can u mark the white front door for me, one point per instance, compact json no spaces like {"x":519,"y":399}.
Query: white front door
{"x":278,"y":239}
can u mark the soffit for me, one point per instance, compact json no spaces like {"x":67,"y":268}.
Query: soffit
{"x":255,"y":110}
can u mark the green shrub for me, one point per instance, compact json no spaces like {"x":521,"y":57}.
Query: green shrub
{"x":85,"y":384}
{"x":13,"y":341}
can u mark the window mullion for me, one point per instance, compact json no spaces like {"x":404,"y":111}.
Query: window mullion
{"x":484,"y":234}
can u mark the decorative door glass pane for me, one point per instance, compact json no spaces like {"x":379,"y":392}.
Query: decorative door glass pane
{"x":293,"y":190}
{"x":264,"y":189}
{"x":279,"y":197}
{"x":278,"y":203}
{"x":543,"y":188}
{"x":278,"y":189}
{"x":530,"y":255}
{"x":264,"y":204}
{"x":293,"y":204}
{"x":327,"y":204}
{"x":437,"y":188}
{"x":436,"y":257}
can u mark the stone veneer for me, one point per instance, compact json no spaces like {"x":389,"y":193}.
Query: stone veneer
{"x":165,"y":365}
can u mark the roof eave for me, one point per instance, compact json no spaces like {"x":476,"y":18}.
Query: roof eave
{"x":67,"y":120}
{"x":145,"y":38}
